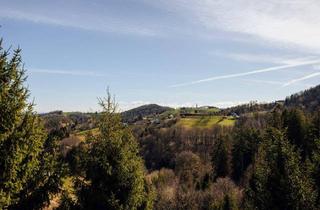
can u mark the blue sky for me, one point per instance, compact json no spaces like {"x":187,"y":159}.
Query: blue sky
{"x":175,"y":53}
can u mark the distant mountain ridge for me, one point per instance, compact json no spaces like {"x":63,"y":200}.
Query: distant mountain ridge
{"x":143,"y":111}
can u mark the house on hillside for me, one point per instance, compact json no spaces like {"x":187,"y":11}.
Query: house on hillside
{"x":234,"y":115}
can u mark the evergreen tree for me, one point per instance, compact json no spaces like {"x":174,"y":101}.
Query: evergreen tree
{"x":220,"y":157}
{"x":313,"y":134}
{"x":47,"y":180}
{"x":25,"y":167}
{"x":296,"y":124}
{"x":315,"y":168}
{"x":275,"y":117}
{"x":113,"y":172}
{"x":279,"y":181}
{"x":245,"y":146}
{"x":316,"y":125}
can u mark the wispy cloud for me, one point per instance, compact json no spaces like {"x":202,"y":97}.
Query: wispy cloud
{"x":67,"y":72}
{"x":309,"y":76}
{"x":84,"y":20}
{"x":258,"y":71}
{"x":281,"y":23}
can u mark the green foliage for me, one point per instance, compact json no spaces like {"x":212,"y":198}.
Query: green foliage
{"x":245,"y":146}
{"x":113,"y":175}
{"x":308,"y":99}
{"x":279,"y":180}
{"x":47,"y":180}
{"x":315,"y":168}
{"x":29,"y":172}
{"x":138,"y":113}
{"x":220,"y":157}
{"x":295,"y":123}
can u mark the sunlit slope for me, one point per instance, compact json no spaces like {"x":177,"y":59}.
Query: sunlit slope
{"x":206,"y":121}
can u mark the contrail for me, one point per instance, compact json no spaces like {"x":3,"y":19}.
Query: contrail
{"x":301,"y":79}
{"x":275,"y":68}
{"x":66,"y":72}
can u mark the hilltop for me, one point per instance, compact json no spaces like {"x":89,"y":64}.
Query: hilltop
{"x":140,"y":112}
{"x":307,"y":99}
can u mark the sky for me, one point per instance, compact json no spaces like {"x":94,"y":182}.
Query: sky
{"x":173,"y":53}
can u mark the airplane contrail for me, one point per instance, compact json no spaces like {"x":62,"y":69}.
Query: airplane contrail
{"x":301,"y":79}
{"x":275,"y":68}
{"x":67,"y":72}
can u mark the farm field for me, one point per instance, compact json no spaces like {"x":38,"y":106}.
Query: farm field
{"x":206,"y":121}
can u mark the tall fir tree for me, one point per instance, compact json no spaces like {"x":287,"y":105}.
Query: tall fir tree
{"x":279,"y":180}
{"x":113,"y":175}
{"x":220,"y":157}
{"x":27,"y":174}
{"x":295,"y":123}
{"x":245,"y":146}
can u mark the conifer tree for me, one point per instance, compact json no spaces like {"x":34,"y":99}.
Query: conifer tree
{"x":279,"y":180}
{"x":25,"y":172}
{"x":113,"y":172}
{"x":296,"y":125}
{"x":220,"y":158}
{"x":245,"y":146}
{"x":315,"y":168}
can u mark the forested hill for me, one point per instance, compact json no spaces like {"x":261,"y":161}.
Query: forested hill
{"x":143,"y":111}
{"x":308,"y":99}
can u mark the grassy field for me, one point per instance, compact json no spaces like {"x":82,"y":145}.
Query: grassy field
{"x":82,"y":134}
{"x":206,"y":121}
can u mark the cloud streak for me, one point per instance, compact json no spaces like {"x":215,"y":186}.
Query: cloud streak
{"x":67,"y":72}
{"x":309,"y":76}
{"x":258,"y":71}
{"x":83,"y":20}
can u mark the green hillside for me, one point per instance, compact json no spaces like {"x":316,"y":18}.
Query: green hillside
{"x":206,"y":121}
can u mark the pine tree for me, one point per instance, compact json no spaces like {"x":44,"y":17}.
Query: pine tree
{"x":220,"y":158}
{"x":279,"y":180}
{"x":24,"y":168}
{"x":296,"y":124}
{"x":315,"y":168}
{"x":113,"y":172}
{"x":244,"y":148}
